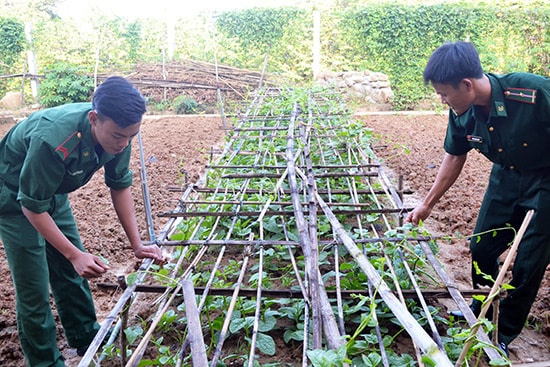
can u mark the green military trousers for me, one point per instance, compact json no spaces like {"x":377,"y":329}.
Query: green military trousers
{"x":35,"y":266}
{"x":509,"y":196}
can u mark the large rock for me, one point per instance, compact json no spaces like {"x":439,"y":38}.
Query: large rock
{"x":12,"y":101}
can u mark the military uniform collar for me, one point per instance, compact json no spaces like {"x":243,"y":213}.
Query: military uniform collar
{"x":87,"y":152}
{"x":498,"y":107}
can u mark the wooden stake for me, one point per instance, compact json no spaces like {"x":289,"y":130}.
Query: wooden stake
{"x":198,"y":350}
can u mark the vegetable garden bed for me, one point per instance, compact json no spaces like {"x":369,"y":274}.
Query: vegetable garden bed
{"x":290,"y":250}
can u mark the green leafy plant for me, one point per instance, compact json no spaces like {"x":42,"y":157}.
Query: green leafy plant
{"x":12,"y":44}
{"x":185,"y":105}
{"x":65,"y":83}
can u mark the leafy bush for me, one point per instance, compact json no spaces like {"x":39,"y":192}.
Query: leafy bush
{"x":185,"y":105}
{"x":389,"y":37}
{"x":64,"y":84}
{"x":12,"y":44}
{"x":12,"y":40}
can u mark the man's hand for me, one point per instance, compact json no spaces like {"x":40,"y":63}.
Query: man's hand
{"x":150,"y":252}
{"x":419,"y":213}
{"x":88,"y":265}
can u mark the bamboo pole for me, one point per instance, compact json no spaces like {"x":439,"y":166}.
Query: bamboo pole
{"x":377,"y":330}
{"x":301,"y":224}
{"x":198,"y":351}
{"x":285,"y":191}
{"x":429,"y":317}
{"x":318,"y":175}
{"x":257,"y":314}
{"x":251,"y":213}
{"x":285,"y":242}
{"x":280,"y":203}
{"x":458,"y":296}
{"x":401,"y":294}
{"x":292,"y":293}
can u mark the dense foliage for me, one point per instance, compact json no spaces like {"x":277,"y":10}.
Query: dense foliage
{"x":12,"y":40}
{"x":278,"y":33}
{"x":398,"y":39}
{"x":66,"y":84}
{"x":393,"y":37}
{"x":12,"y":43}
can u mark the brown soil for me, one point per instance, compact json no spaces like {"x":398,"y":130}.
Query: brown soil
{"x":176,"y":148}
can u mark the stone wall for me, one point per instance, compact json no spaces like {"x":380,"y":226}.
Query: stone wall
{"x":367,"y":88}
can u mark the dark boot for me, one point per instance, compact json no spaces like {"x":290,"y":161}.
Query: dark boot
{"x":503,"y":347}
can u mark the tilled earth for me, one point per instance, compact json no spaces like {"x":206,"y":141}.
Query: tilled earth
{"x":176,"y":148}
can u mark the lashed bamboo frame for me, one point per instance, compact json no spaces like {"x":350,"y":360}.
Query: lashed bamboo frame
{"x":307,"y":199}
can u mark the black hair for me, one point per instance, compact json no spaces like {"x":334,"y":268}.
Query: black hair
{"x":452,"y":62}
{"x":117,"y":99}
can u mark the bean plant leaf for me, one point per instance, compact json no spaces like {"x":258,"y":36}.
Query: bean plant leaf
{"x":372,"y":360}
{"x":241,"y":323}
{"x":297,"y":335}
{"x":133,"y":333}
{"x":265,"y":344}
{"x":323,"y":358}
{"x":267,"y":323}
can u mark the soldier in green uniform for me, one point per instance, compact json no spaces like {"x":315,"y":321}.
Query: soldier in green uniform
{"x":51,"y":153}
{"x":507,"y":119}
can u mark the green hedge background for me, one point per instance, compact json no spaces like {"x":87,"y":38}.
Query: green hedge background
{"x":389,"y":37}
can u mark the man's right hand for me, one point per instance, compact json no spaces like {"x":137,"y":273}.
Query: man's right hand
{"x":421,"y":212}
{"x":89,"y":266}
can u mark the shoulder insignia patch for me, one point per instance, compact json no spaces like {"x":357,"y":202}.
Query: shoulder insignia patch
{"x":521,"y":95}
{"x":65,"y":148}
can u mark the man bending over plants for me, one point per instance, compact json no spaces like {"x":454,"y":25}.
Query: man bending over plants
{"x":51,"y":153}
{"x":507,"y":119}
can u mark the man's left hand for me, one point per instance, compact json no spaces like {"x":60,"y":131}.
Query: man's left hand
{"x":150,"y":252}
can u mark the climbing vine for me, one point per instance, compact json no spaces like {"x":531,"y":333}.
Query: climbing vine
{"x":398,"y":39}
{"x":252,"y":33}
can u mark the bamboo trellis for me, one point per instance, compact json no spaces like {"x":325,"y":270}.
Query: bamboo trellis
{"x":274,"y":227}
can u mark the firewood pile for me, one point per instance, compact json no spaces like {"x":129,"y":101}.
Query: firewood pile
{"x":199,"y":80}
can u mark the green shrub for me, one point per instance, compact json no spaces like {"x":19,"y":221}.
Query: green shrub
{"x":185,"y":105}
{"x":12,"y":44}
{"x":64,"y":84}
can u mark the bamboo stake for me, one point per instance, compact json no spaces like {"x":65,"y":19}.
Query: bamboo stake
{"x":250,"y":213}
{"x":318,"y":175}
{"x":458,"y":297}
{"x":258,"y":310}
{"x":429,"y":317}
{"x":495,"y":289}
{"x":287,"y":242}
{"x":198,"y":351}
{"x":291,"y":293}
{"x":303,"y":233}
{"x":140,"y":349}
{"x":377,"y":330}
{"x":339,"y":304}
{"x":330,"y":327}
{"x":400,"y":294}
{"x":286,"y":191}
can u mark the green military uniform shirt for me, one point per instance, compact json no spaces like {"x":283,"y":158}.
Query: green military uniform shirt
{"x":52,"y":152}
{"x":518,"y":128}
{"x":515,"y":137}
